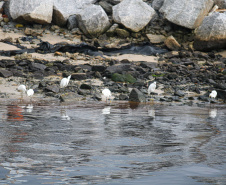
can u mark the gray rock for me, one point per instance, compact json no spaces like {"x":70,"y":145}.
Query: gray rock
{"x":221,"y":4}
{"x":38,"y":66}
{"x":106,"y":6}
{"x":133,"y":14}
{"x":62,"y":9}
{"x":78,"y":76}
{"x":5,"y":73}
{"x":179,"y":93}
{"x":156,"y":39}
{"x":53,"y":88}
{"x":186,"y":13}
{"x":136,"y":96}
{"x":70,"y":97}
{"x":118,"y":68}
{"x":39,"y":11}
{"x":93,"y":21}
{"x":72,"y":22}
{"x":157,"y":4}
{"x":211,"y":33}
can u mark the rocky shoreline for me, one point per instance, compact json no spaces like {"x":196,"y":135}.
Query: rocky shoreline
{"x":41,"y":55}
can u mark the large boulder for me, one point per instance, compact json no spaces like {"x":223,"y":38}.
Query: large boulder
{"x":212,"y":32}
{"x":39,"y":11}
{"x":136,"y":96}
{"x":186,"y":13}
{"x":93,"y":21}
{"x":63,"y":9}
{"x":133,"y":14}
{"x":221,"y":4}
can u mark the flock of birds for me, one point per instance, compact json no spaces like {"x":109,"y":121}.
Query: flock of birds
{"x":106,"y":92}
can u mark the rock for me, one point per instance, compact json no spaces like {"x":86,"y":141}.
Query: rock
{"x":128,"y":78}
{"x":106,"y":6}
{"x":70,"y":97}
{"x":93,"y":21}
{"x":122,"y":33}
{"x":111,"y":31}
{"x":5,"y":73}
{"x":32,"y":32}
{"x":221,"y":4}
{"x":211,"y":34}
{"x":186,"y":13}
{"x":172,"y":43}
{"x":221,"y":94}
{"x":99,"y":68}
{"x":133,"y":14}
{"x":157,"y":4}
{"x":156,"y":39}
{"x":136,"y":96}
{"x":72,"y":22}
{"x":78,"y":76}
{"x":179,"y":93}
{"x":37,"y":66}
{"x":118,"y":68}
{"x":63,"y":10}
{"x":123,"y":97}
{"x":39,"y":11}
{"x":86,"y":86}
{"x":53,"y":88}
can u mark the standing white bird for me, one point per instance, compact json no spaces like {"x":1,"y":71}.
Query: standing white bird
{"x":151,"y":88}
{"x":213,"y":94}
{"x":22,"y":89}
{"x":30,"y":93}
{"x":64,"y":82}
{"x":106,"y":93}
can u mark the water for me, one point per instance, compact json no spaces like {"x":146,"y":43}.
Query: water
{"x":94,"y":143}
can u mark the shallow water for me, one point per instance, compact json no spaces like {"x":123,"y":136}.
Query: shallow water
{"x":122,"y":143}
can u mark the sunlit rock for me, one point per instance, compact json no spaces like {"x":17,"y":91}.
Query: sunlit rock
{"x":133,"y":14}
{"x":211,"y":34}
{"x":93,"y":21}
{"x":186,"y":13}
{"x":39,"y":11}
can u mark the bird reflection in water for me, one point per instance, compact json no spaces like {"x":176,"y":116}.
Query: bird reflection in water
{"x":151,"y":112}
{"x":64,"y":115}
{"x":106,"y":110}
{"x":212,"y":113}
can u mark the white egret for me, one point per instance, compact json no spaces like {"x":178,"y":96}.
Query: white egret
{"x":213,"y":94}
{"x":30,"y":93}
{"x":151,"y":88}
{"x":106,"y":93}
{"x":22,"y":89}
{"x":64,"y":82}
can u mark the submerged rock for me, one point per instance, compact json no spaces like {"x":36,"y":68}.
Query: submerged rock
{"x":133,"y":14}
{"x":211,"y":33}
{"x":93,"y":21}
{"x":137,"y":96}
{"x":186,"y":13}
{"x":39,"y":11}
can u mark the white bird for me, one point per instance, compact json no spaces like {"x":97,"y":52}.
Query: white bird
{"x":22,"y":89}
{"x":106,"y":93}
{"x":213,"y":94}
{"x":64,"y":82}
{"x":151,"y":88}
{"x":30,"y":92}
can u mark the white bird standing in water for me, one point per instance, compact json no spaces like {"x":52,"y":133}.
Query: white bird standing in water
{"x":151,"y":88}
{"x":64,"y":82}
{"x":213,"y":94}
{"x":22,"y":89}
{"x":106,"y":93}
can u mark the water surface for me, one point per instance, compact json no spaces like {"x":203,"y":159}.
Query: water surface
{"x":122,"y":143}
